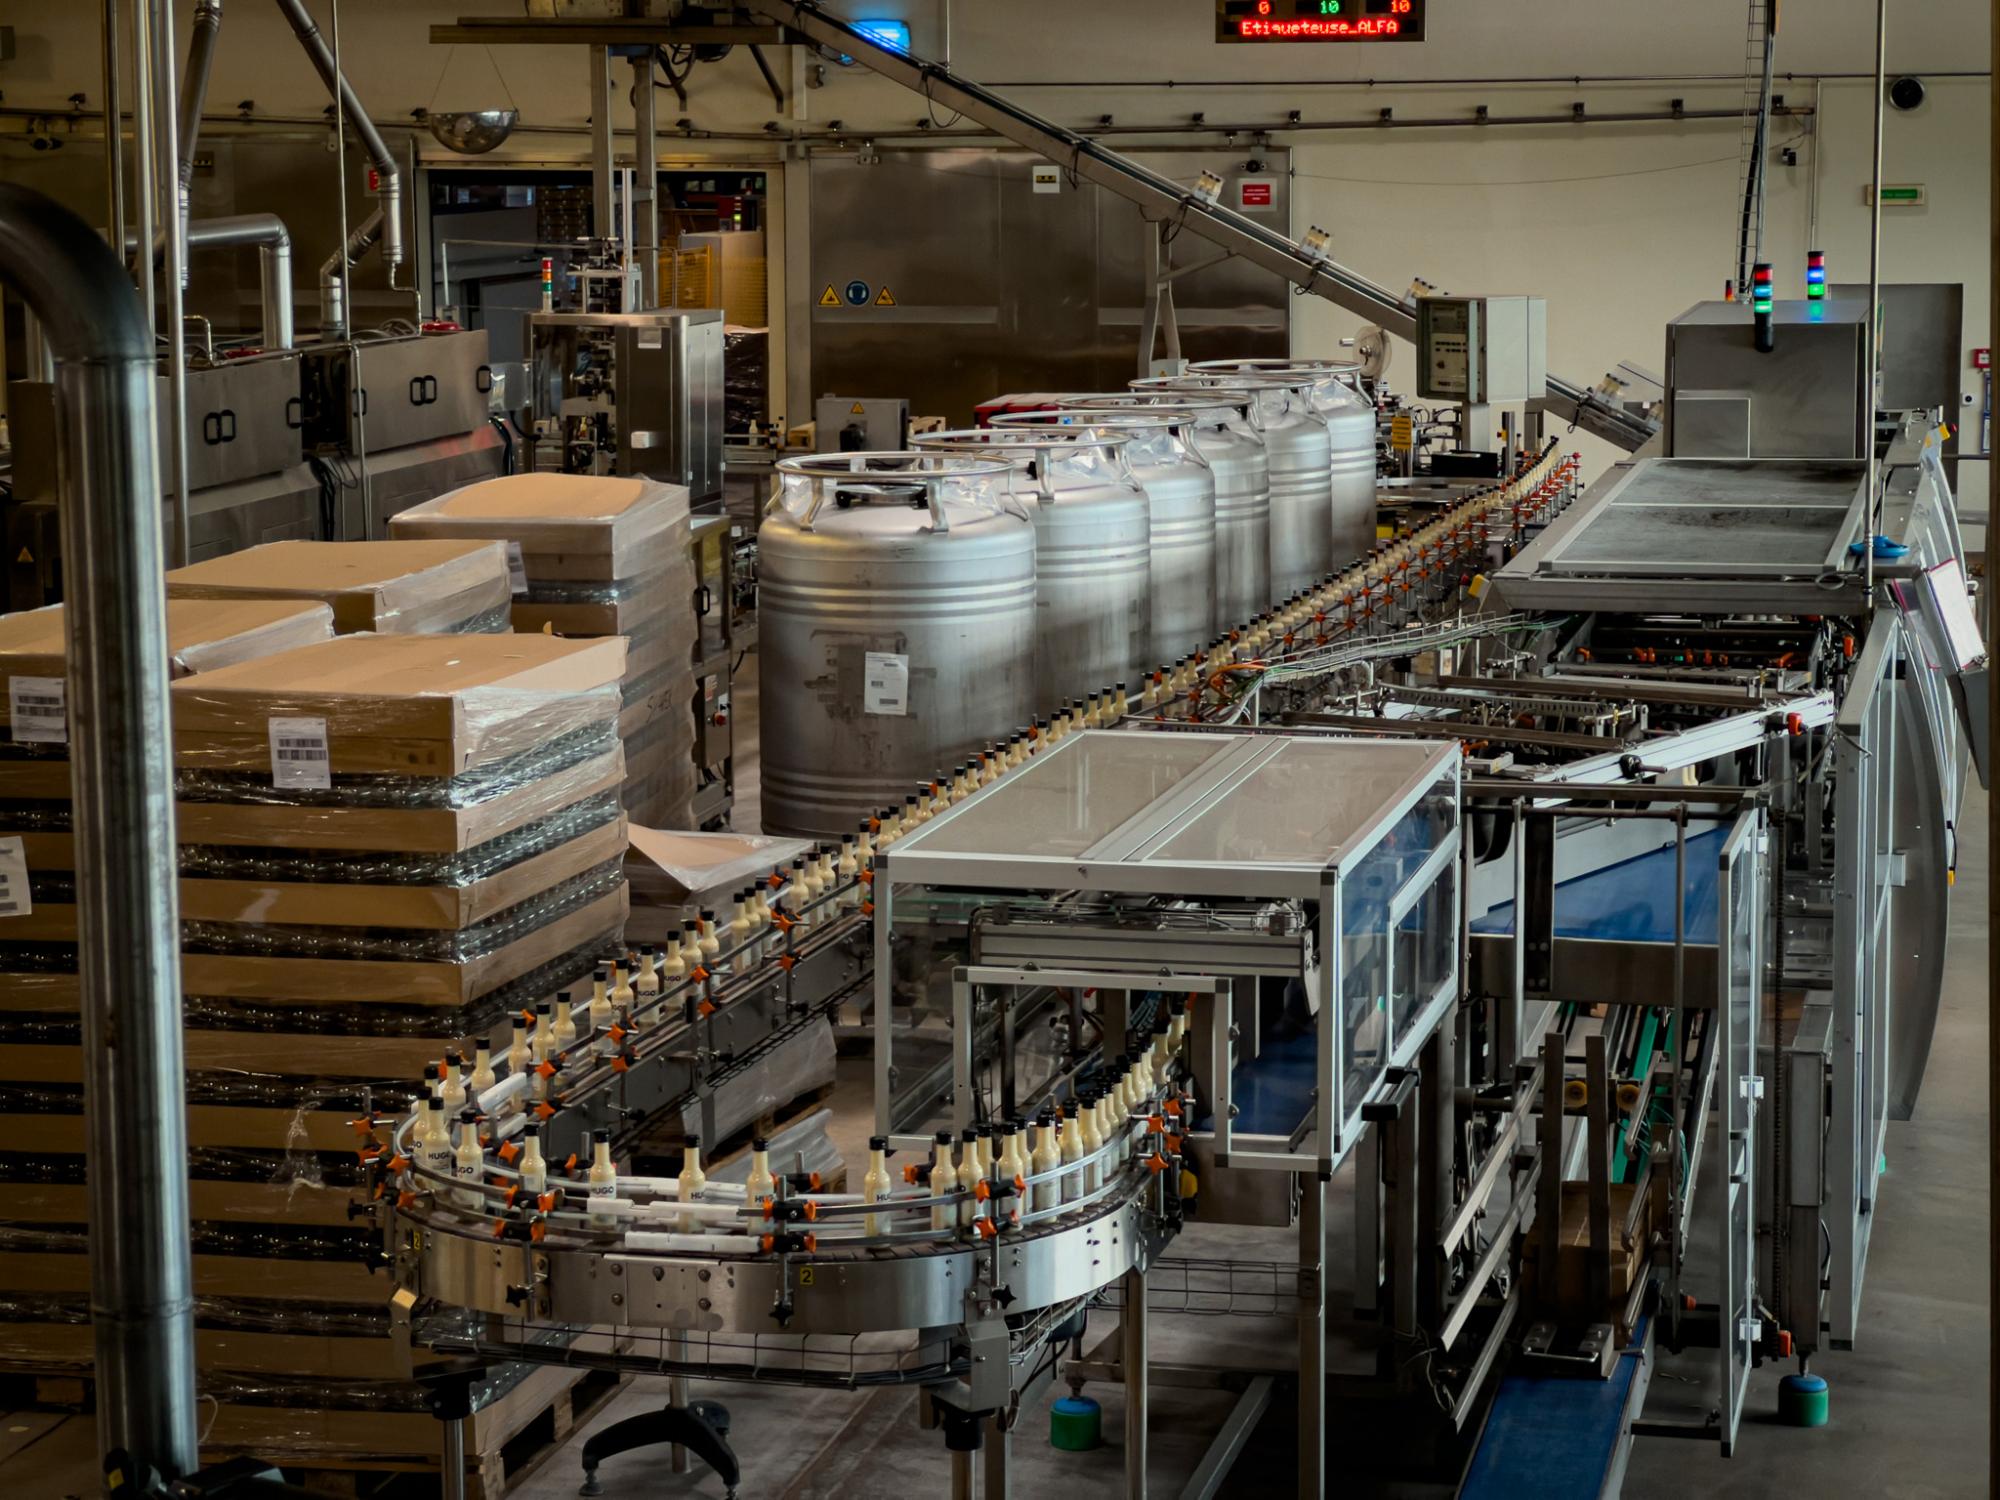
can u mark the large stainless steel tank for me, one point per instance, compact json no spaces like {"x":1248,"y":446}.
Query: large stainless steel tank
{"x":1333,"y":388}
{"x":1180,"y":490}
{"x":1299,"y":462}
{"x":1093,"y":566}
{"x":1222,"y":431}
{"x":896,"y":626}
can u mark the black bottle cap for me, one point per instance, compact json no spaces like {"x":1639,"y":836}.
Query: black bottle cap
{"x":760,"y":1144}
{"x":878,"y":1143}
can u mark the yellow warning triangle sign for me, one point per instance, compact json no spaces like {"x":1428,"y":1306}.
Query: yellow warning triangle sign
{"x":829,"y":297}
{"x":885,"y":298}
{"x":857,"y":410}
{"x":25,"y":557}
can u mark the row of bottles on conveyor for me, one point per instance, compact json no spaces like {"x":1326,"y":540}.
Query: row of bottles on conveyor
{"x":986,"y":1180}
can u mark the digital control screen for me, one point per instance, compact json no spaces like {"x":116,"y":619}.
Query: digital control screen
{"x":1319,"y":20}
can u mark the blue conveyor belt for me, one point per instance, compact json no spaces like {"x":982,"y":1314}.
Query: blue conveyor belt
{"x":1633,"y":900}
{"x":1553,"y":1437}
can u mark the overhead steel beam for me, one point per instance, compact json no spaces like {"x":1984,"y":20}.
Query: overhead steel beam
{"x":617,"y":31}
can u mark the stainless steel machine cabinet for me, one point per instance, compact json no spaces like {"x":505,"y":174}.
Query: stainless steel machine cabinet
{"x":1221,"y":431}
{"x":1333,"y":391}
{"x":1093,"y":567}
{"x":896,"y":619}
{"x":1180,"y":488}
{"x":1298,"y":457}
{"x":629,"y":393}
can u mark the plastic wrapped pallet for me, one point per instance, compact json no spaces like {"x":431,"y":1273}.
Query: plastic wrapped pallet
{"x":449,"y":850}
{"x":391,"y":588}
{"x":598,"y":555}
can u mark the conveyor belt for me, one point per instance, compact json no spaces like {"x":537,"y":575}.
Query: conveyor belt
{"x":1633,"y":900}
{"x":1555,"y":1437}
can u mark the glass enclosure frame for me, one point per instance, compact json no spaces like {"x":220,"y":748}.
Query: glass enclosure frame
{"x":1741,"y":883}
{"x":1867,"y":741}
{"x":1256,"y":817}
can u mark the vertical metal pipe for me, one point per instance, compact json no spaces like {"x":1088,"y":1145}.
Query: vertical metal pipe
{"x":114,"y":130}
{"x":1875,"y":293}
{"x":453,"y":1459}
{"x":1132,"y":1324}
{"x":194,"y":94}
{"x":165,"y":170}
{"x":1993,"y":802}
{"x":1312,"y":1329}
{"x":144,"y":208}
{"x":121,"y":774}
{"x":600,"y":144}
{"x":645,"y":182}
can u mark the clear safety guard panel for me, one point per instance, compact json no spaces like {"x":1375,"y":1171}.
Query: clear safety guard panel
{"x":1715,"y":517}
{"x":1741,"y":973}
{"x":1189,"y":813}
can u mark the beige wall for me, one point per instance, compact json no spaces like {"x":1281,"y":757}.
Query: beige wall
{"x":1619,"y":226}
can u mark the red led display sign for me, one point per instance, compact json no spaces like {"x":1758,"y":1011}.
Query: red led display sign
{"x":1319,"y":20}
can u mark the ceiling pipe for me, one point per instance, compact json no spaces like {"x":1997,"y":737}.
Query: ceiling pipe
{"x":273,"y":241}
{"x":389,"y":176}
{"x":194,"y":94}
{"x":121,"y":780}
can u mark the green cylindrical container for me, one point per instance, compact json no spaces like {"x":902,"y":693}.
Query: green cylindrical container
{"x":1076,"y":1424}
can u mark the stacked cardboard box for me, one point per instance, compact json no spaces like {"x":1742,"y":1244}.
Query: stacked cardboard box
{"x":387,"y":842}
{"x":44,"y":1308}
{"x":392,"y":588}
{"x":596,"y":556}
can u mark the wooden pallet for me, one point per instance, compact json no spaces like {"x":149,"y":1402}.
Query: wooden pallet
{"x":33,"y":1390}
{"x":518,"y":1441}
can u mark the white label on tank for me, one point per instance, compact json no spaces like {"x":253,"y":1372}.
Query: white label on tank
{"x":517,"y":569}
{"x":299,"y":755}
{"x":36,"y":706}
{"x":887,"y":690}
{"x":14,"y":898}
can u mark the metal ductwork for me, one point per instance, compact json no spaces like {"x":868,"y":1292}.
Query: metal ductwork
{"x":194,"y":95}
{"x":274,"y":246}
{"x":333,"y":270}
{"x":391,"y":181}
{"x":121,"y":773}
{"x":274,"y":264}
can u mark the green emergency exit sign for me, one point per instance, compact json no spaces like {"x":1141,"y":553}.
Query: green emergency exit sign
{"x":1897,"y":195}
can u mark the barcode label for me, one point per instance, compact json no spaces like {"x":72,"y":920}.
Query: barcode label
{"x":299,"y":756}
{"x":886,"y":688}
{"x":36,"y":705}
{"x":517,"y":569}
{"x":14,"y":898}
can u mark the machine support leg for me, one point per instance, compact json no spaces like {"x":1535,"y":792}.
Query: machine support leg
{"x":961,"y":1476}
{"x":1133,"y":1325}
{"x":994,"y":1486}
{"x":1312,"y":1336}
{"x":677,"y":1395}
{"x":1597,"y":1077}
{"x":1548,"y":1190}
{"x":454,"y":1459}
